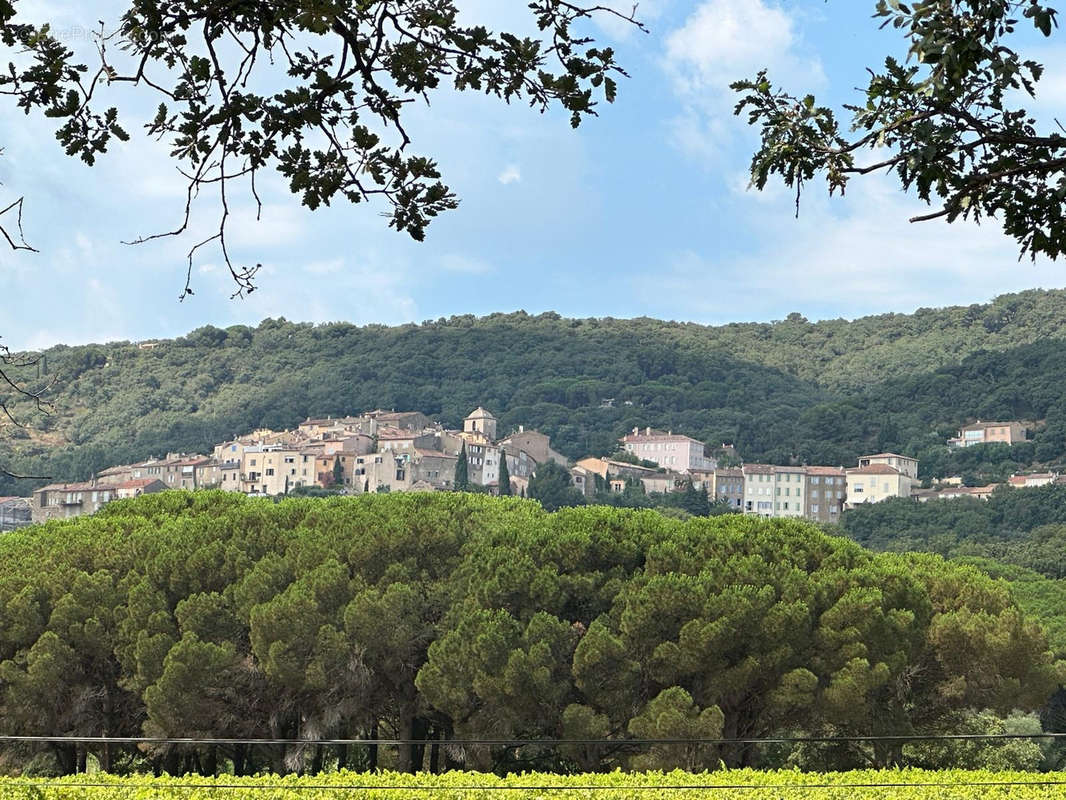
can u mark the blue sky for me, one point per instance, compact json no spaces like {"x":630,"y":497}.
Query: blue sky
{"x":643,"y":211}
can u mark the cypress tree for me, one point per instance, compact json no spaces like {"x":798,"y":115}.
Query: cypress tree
{"x":338,"y":471}
{"x":462,"y":476}
{"x":505,"y":476}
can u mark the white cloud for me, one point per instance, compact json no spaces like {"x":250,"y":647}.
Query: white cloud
{"x":511,"y":174}
{"x":847,"y":257}
{"x":464,"y":264}
{"x":721,"y":42}
{"x":326,"y":267}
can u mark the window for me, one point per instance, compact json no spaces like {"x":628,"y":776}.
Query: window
{"x":290,"y":460}
{"x":778,"y":491}
{"x":832,"y":509}
{"x":814,"y":493}
{"x":886,"y":488}
{"x":786,"y":493}
{"x":252,"y":462}
{"x":815,"y":479}
{"x":814,"y":509}
{"x":857,"y":488}
{"x":270,"y":471}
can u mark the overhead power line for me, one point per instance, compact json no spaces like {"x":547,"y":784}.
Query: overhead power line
{"x":903,"y":738}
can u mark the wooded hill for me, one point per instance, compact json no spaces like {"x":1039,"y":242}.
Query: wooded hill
{"x":783,"y":391}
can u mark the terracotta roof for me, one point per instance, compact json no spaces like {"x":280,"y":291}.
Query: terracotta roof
{"x":888,"y":455}
{"x":138,"y":483}
{"x":758,"y":469}
{"x":627,"y":465}
{"x":825,"y":470}
{"x":434,"y":453}
{"x":729,"y":472}
{"x":396,"y":433}
{"x":874,"y":469}
{"x":480,"y":413}
{"x":659,"y":436}
{"x":72,"y":487}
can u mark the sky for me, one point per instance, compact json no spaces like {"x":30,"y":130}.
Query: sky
{"x":642,"y":211}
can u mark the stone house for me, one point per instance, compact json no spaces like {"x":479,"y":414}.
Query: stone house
{"x":14,"y":513}
{"x":65,"y":500}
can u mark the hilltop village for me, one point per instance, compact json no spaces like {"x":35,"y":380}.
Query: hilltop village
{"x":391,"y":451}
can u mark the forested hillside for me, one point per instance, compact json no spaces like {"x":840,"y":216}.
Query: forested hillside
{"x":787,"y":391}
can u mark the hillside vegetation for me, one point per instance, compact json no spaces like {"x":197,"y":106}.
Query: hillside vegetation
{"x":784,"y":391}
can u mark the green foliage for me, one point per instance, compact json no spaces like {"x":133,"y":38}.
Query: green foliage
{"x":334,"y":125}
{"x":949,"y":122}
{"x":462,"y":471}
{"x":552,"y":486}
{"x":1026,"y":527}
{"x":424,"y":616}
{"x":788,"y":391}
{"x":504,"y":481}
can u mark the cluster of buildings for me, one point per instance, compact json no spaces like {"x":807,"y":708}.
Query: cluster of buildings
{"x":379,"y":451}
{"x":817,"y":493}
{"x":390,"y":451}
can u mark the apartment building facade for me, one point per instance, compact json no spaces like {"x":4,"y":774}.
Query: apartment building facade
{"x":826,"y":493}
{"x":905,"y":465}
{"x":668,"y":449}
{"x":774,"y":491}
{"x":874,"y":483}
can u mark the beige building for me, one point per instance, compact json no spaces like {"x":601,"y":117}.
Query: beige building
{"x":1032,"y":480}
{"x":480,"y":421}
{"x":876,"y":482}
{"x":406,"y":420}
{"x":402,"y":471}
{"x":176,"y":471}
{"x":274,"y":469}
{"x":903,"y":464}
{"x":668,"y":449}
{"x":953,"y":492}
{"x":525,"y":449}
{"x":989,"y":432}
{"x":406,"y":439}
